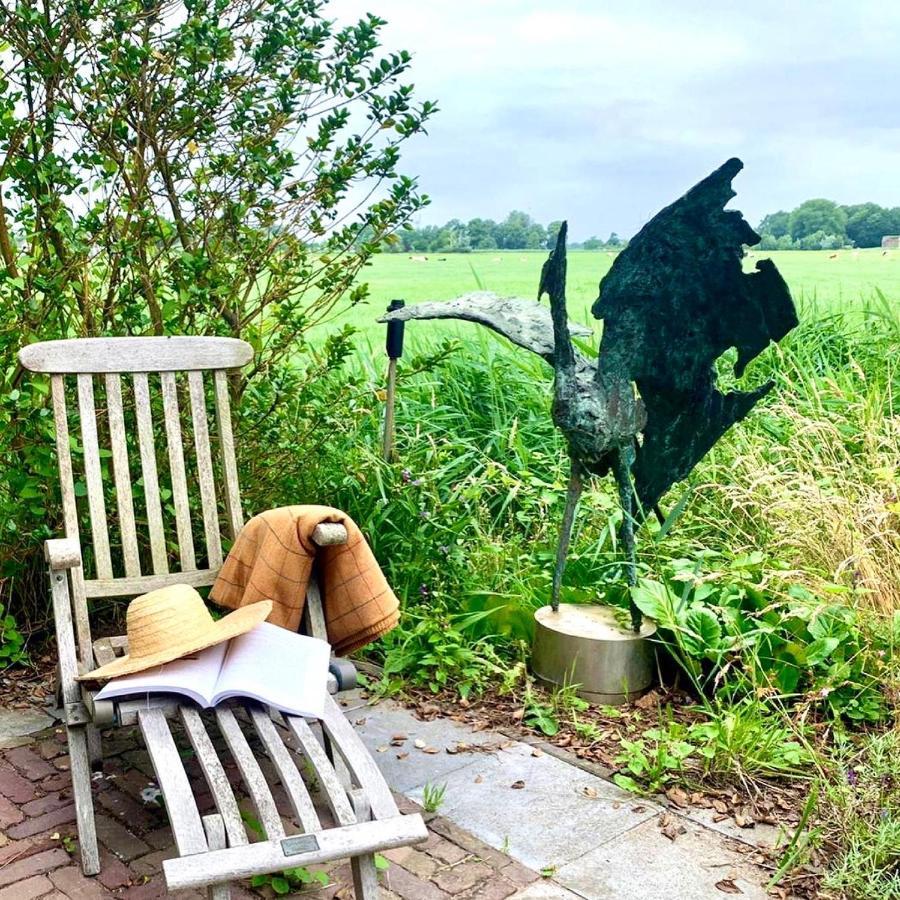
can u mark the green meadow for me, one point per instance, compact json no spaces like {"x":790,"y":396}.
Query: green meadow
{"x":822,"y":282}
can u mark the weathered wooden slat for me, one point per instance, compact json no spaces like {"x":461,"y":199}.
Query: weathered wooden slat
{"x":215,"y":837}
{"x":80,"y":771}
{"x":251,"y":773}
{"x":64,"y":456}
{"x":365,"y":873}
{"x":205,"y":470}
{"x":351,"y":748}
{"x":149,"y":474}
{"x":77,"y":735}
{"x":314,"y":612}
{"x":173,"y":781}
{"x":103,"y":651}
{"x":93,"y":476}
{"x":286,"y":768}
{"x":274,"y":855}
{"x":215,"y":775}
{"x":70,"y":517}
{"x":135,"y":354}
{"x":122,"y":475}
{"x":229,"y":463}
{"x":318,"y":759}
{"x":176,"y":469}
{"x":125,"y":587}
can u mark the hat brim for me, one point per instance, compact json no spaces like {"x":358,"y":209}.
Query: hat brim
{"x":233,"y":625}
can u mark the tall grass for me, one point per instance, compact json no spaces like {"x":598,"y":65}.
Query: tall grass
{"x":813,"y":477}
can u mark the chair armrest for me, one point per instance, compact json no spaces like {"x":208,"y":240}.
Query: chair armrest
{"x":62,"y":553}
{"x":325,"y":534}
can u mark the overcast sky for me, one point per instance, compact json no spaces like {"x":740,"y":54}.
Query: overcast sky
{"x":604,"y":112}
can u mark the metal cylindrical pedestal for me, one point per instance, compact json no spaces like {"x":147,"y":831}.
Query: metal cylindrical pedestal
{"x":586,"y":645}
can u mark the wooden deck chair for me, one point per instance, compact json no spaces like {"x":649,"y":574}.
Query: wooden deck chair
{"x":138,"y":380}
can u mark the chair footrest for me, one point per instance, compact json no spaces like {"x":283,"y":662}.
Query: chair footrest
{"x":198,"y":870}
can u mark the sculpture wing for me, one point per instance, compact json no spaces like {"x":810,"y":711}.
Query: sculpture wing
{"x":673,"y":302}
{"x":525,"y":322}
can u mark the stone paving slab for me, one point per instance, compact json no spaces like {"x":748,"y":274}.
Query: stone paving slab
{"x":759,"y":835}
{"x":549,"y":814}
{"x":643,"y":864}
{"x":543,"y":812}
{"x":404,"y":766}
{"x":16,"y":726}
{"x":546,"y":890}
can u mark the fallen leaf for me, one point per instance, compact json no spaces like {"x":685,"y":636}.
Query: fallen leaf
{"x":650,"y":700}
{"x":402,"y":755}
{"x":727,"y":886}
{"x":719,"y":806}
{"x":518,"y":785}
{"x":671,"y":826}
{"x":478,"y":779}
{"x":452,"y":750}
{"x":431,"y":750}
{"x":419,"y":744}
{"x":679,"y":797}
{"x":382,"y":749}
{"x":537,"y":752}
{"x":590,"y":792}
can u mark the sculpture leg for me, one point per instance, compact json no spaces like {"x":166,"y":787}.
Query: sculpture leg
{"x":624,"y":459}
{"x":576,"y":485}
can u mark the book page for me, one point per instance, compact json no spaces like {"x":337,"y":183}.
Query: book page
{"x":273,"y":665}
{"x":193,"y":676}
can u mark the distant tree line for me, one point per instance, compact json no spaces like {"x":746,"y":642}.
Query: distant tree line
{"x":518,"y":231}
{"x":825,"y":225}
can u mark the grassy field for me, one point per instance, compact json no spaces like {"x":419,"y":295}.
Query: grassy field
{"x":820,"y":281}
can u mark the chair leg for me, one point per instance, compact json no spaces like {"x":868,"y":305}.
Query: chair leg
{"x":95,"y":747}
{"x":80,"y":768}
{"x":365,"y":874}
{"x":214,"y":827}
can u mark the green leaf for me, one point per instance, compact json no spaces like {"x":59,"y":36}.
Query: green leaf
{"x":819,"y":650}
{"x":656,"y":601}
{"x":627,"y":783}
{"x":702,"y":633}
{"x":280,"y":885}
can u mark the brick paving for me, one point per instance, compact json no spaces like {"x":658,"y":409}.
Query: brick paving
{"x":39,"y":854}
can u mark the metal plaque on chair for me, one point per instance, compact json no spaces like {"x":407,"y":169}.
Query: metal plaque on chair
{"x":301,"y":843}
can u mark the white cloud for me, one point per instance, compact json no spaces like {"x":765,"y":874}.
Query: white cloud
{"x":604,"y":112}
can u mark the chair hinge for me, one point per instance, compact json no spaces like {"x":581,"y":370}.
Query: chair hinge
{"x":77,"y":713}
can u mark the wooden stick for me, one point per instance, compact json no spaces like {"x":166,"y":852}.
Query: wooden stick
{"x":389,"y":411}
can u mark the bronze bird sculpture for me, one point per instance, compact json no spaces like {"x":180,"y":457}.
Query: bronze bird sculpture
{"x":648,"y":410}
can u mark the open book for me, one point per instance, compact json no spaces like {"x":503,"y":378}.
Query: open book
{"x":271,"y":664}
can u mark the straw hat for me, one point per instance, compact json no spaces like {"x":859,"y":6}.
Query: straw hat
{"x":174,"y":622}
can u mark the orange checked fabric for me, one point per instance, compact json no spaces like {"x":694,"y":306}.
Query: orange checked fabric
{"x":272,"y":559}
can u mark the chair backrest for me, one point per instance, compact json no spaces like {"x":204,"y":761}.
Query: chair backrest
{"x":93,"y":373}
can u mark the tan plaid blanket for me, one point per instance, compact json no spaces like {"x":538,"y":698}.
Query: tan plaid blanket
{"x":272,"y":559}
